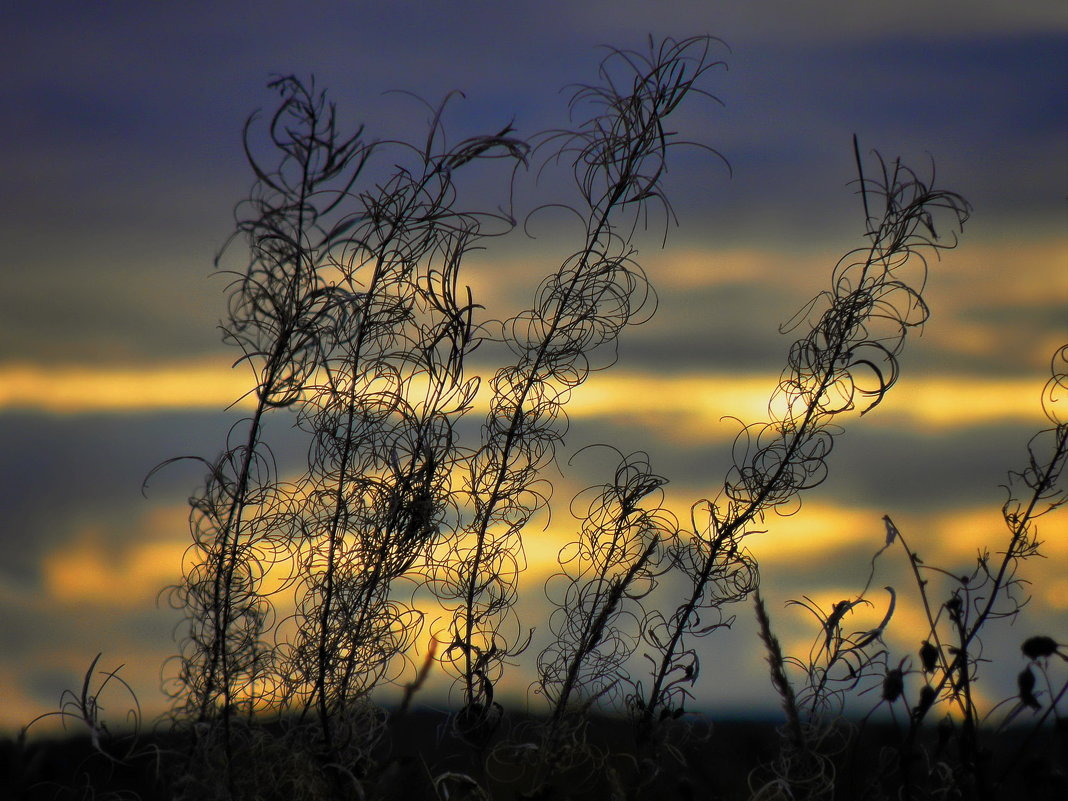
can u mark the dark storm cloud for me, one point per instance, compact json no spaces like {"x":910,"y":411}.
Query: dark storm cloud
{"x":1038,"y":319}
{"x":731,"y":327}
{"x":87,"y":310}
{"x":132,"y":82}
{"x":819,"y":21}
{"x":895,"y":469}
{"x":64,"y":639}
{"x":735,"y":327}
{"x":82,"y":627}
{"x":1019,"y":359}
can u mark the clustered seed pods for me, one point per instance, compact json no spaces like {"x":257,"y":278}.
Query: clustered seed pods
{"x":927,"y":698}
{"x":893,"y":685}
{"x":1037,"y":647}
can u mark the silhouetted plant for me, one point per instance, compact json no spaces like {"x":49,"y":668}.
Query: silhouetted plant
{"x":950,"y":654}
{"x":946,"y":661}
{"x":617,"y":157}
{"x":848,"y":358}
{"x":281,"y":310}
{"x":116,"y":744}
{"x":378,"y":485}
{"x":816,"y":731}
{"x":353,"y":316}
{"x":606,"y":574}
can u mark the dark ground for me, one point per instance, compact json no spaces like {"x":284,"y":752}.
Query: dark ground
{"x":710,"y":764}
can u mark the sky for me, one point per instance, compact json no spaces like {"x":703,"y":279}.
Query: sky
{"x":122,"y":162}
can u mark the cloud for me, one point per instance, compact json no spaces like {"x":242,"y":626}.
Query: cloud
{"x":63,"y":474}
{"x":86,"y":570}
{"x":824,"y":21}
{"x":682,"y":407}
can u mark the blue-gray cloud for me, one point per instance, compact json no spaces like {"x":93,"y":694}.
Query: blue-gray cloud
{"x":63,"y":472}
{"x":126,"y":155}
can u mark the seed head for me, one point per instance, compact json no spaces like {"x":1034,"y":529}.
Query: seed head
{"x":1026,"y":684}
{"x":928,"y":657}
{"x":1035,"y":647}
{"x":927,"y":698}
{"x":893,"y":685}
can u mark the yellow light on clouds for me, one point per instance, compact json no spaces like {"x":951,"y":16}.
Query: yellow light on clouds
{"x":816,"y":529}
{"x":129,"y":572}
{"x":88,"y":572}
{"x":74,"y":390}
{"x":698,"y":404}
{"x":679,"y":407}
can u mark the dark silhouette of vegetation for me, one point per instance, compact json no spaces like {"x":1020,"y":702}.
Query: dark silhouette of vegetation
{"x":353,"y":318}
{"x":939,"y":678}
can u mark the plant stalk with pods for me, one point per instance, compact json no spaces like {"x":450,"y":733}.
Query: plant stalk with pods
{"x":949,"y":656}
{"x":848,"y":358}
{"x":281,"y":310}
{"x":618,"y":159}
{"x":382,"y":422}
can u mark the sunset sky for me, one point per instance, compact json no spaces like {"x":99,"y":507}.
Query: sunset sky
{"x":122,"y":161}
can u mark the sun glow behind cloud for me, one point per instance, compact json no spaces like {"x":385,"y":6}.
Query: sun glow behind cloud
{"x":680,"y":407}
{"x":146,"y":388}
{"x":86,"y":572}
{"x":94,"y":567}
{"x":124,"y":578}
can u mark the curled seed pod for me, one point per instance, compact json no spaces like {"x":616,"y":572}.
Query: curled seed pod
{"x":893,"y":685}
{"x":1025,"y":682}
{"x":928,"y":657}
{"x":1035,"y":647}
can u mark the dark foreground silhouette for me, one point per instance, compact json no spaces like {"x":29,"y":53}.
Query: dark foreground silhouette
{"x":705,"y":761}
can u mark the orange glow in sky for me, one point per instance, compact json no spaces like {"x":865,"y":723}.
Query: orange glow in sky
{"x":683,"y":406}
